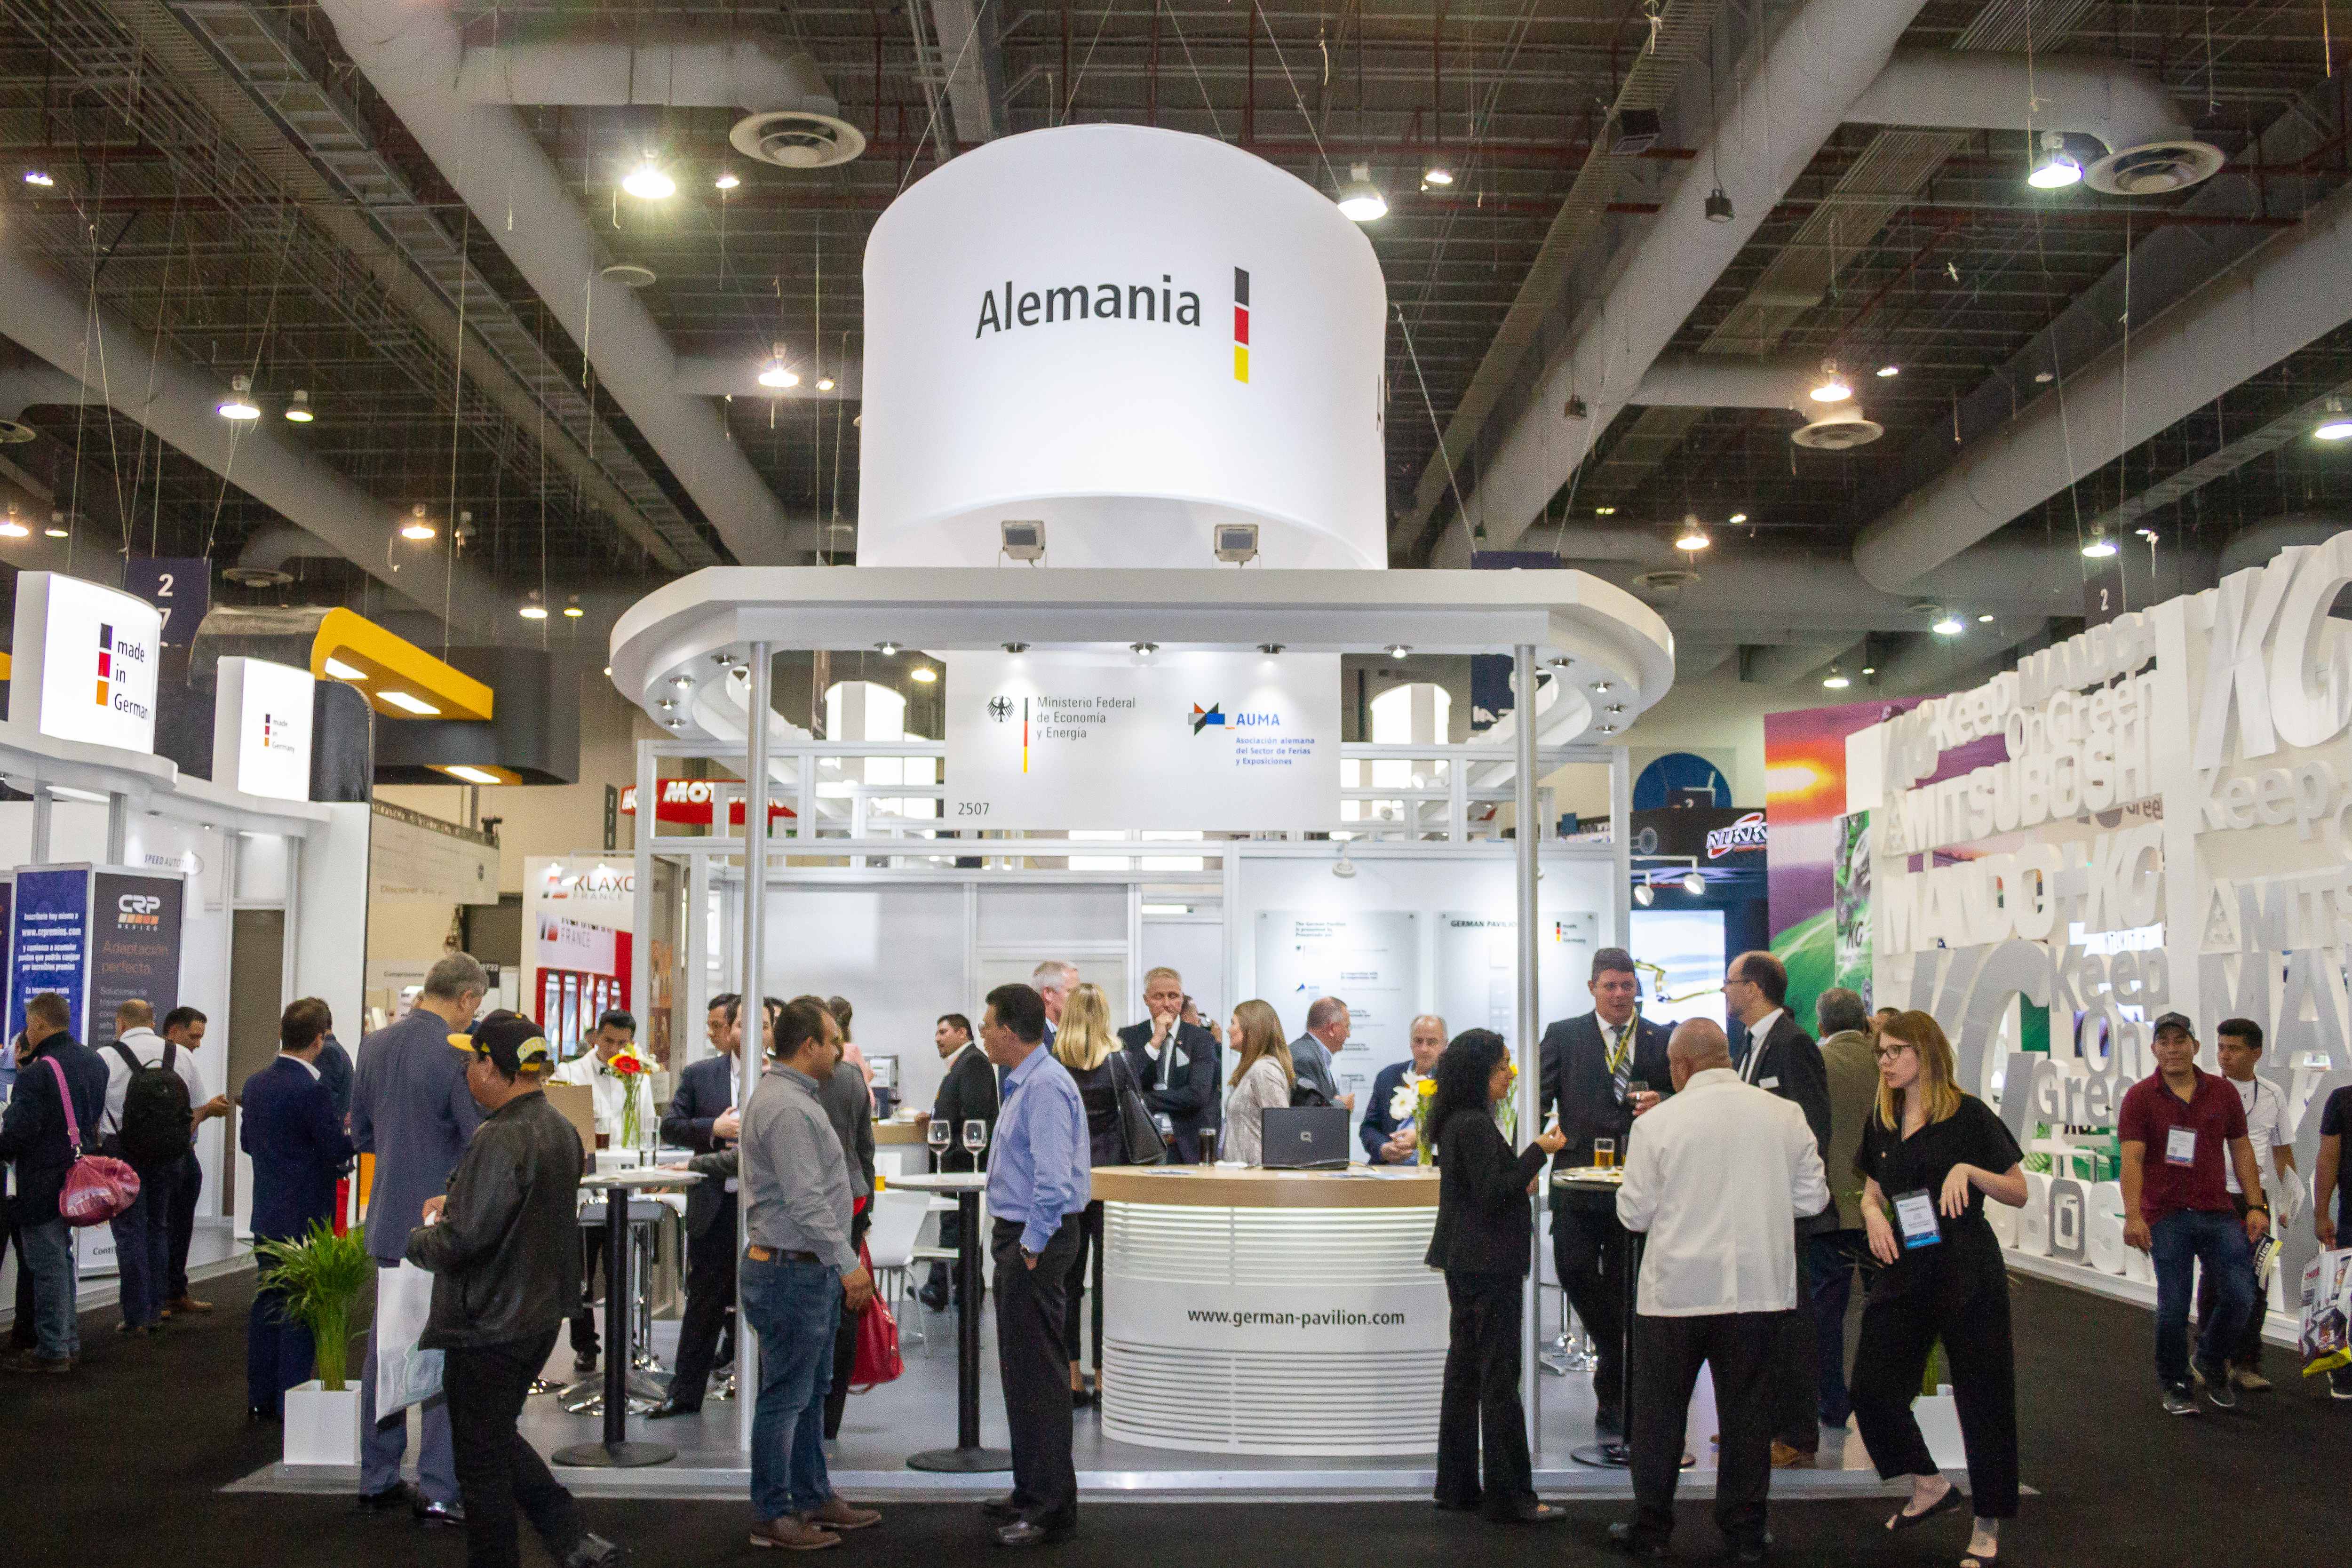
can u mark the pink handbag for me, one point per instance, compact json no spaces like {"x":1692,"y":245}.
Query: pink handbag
{"x":98,"y":1188}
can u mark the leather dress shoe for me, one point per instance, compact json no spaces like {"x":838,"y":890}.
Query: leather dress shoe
{"x":430,"y":1512}
{"x":793,"y":1535}
{"x":188,"y":1304}
{"x":585,"y":1362}
{"x":593,"y":1551}
{"x":1025,"y":1532}
{"x":1788,"y":1457}
{"x":396,"y":1495}
{"x":1000,"y":1508}
{"x":1622,"y":1539}
{"x":669,"y":1407}
{"x":838,"y":1514}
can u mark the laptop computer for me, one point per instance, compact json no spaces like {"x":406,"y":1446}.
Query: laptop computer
{"x":1306,"y":1138}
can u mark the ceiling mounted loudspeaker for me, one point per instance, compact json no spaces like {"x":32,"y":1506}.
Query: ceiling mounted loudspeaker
{"x":1663,"y":585}
{"x":629,"y":275}
{"x":797,"y":139}
{"x":2153,"y":168}
{"x":258,"y":577}
{"x":1840,"y":428}
{"x":14,"y":432}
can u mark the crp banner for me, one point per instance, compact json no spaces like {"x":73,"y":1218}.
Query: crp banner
{"x":49,"y":942}
{"x":1188,"y":741}
{"x":1307,"y":1316}
{"x":688,"y":801}
{"x":134,"y":942}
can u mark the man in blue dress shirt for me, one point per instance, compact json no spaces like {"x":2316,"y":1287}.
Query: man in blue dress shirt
{"x":299,"y":1150}
{"x":1038,"y":1185}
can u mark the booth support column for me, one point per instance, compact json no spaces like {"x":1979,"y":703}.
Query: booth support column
{"x":754,"y":1011}
{"x":1527,"y":840}
{"x":40,"y":845}
{"x":641,"y":905}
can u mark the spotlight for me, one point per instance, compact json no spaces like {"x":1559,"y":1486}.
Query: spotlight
{"x":1269,"y":648}
{"x":1870,"y":669}
{"x":1737,"y":518}
{"x":1832,"y":387}
{"x":1643,"y":894}
{"x":1695,"y":884}
{"x":1984,"y":620}
{"x":1693,"y":537}
{"x":1022,"y":540}
{"x":1237,"y":543}
{"x":1602,"y":686}
{"x":1604,"y":512}
{"x":1016,"y":648}
{"x":1718,"y":206}
{"x":1836,"y":680}
{"x":1143,"y":649}
{"x":1437,"y":174}
{"x":926,"y":674}
{"x":2100,"y":548}
{"x":12,"y":529}
{"x":886,"y":648}
{"x":1951,"y":626}
{"x":58,"y":529}
{"x":1398,"y":649}
{"x":648,"y":183}
{"x":727,"y":180}
{"x":681,"y":682}
{"x":39,"y":177}
{"x":416,"y":528}
{"x":1343,"y":868}
{"x":534,"y":611}
{"x":2337,"y":429}
{"x":1360,"y":199}
{"x":776,"y":373}
{"x":240,"y":399}
{"x":824,"y":383}
{"x":2054,"y":170}
{"x":1889,"y":371}
{"x":298,"y":408}
{"x":572,"y":611}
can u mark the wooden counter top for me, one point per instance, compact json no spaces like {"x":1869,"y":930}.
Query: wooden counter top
{"x":1214,"y":1187}
{"x":897,"y":1133}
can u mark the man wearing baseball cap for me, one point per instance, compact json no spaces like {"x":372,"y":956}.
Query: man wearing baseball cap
{"x":2180,"y":1130}
{"x":503,"y":1248}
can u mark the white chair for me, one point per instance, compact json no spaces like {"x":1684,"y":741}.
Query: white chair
{"x":890,"y":1240}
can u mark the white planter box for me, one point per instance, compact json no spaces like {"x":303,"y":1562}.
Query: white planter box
{"x":322,"y":1429}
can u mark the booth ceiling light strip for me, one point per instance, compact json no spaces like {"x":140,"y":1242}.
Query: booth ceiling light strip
{"x":370,"y":653}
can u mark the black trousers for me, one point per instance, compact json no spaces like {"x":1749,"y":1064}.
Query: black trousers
{"x":1090,"y":1223}
{"x":1739,"y":1348}
{"x":1036,"y":1373}
{"x":497,"y":1472}
{"x":184,"y":1193}
{"x":593,"y":1243}
{"x":1480,"y":1407}
{"x":709,"y":1303}
{"x":2248,"y":1352}
{"x":1797,"y":1364}
{"x":844,"y":1338}
{"x":1891,"y":1359}
{"x":1590,"y":1250}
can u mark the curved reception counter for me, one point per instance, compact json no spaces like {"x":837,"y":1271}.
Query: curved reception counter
{"x":1255,"y":1311}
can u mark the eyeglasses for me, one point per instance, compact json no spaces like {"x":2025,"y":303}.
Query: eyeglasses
{"x":1888,"y":1053}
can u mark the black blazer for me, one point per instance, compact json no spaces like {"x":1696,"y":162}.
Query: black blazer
{"x":287,"y":1124}
{"x":1788,"y":1063}
{"x":1574,"y":1064}
{"x":700,"y":1098}
{"x":1484,"y":1222}
{"x":33,"y":1134}
{"x":1195,"y":1097}
{"x":968,"y":1090}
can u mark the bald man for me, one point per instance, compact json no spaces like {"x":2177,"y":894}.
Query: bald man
{"x":1715,"y":1177}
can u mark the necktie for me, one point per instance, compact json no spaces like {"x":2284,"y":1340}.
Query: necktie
{"x":1620,"y":1061}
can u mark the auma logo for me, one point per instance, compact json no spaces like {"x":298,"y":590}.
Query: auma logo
{"x":1204,"y":716}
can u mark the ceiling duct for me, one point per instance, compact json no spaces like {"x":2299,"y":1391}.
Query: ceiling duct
{"x":791,"y":118}
{"x":2147,"y":148}
{"x":1839,"y":427}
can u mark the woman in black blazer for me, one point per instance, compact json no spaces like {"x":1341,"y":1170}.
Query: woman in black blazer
{"x":1484,"y":1236}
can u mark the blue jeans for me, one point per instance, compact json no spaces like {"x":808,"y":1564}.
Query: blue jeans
{"x":143,"y":1244}
{"x":2179,"y":1242}
{"x":48,"y":1249}
{"x":795,"y":1308}
{"x":1831,"y":1257}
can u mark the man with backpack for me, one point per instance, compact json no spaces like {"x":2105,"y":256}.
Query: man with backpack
{"x":152,"y":1091}
{"x":37,"y":1133}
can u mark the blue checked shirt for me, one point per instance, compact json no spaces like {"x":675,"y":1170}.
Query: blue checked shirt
{"x":1038,"y":1166}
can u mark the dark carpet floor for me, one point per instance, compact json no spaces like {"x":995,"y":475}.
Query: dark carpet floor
{"x":120,"y":1463}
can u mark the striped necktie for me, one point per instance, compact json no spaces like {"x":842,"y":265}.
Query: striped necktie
{"x":1620,"y":1060}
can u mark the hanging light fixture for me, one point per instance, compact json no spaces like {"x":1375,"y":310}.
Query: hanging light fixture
{"x":572,"y":611}
{"x":2100,"y":547}
{"x":776,"y":374}
{"x":1737,"y":518}
{"x":1984,"y":620}
{"x":2054,"y":170}
{"x":648,"y":183}
{"x":58,"y":529}
{"x":1836,"y":679}
{"x":1693,"y":537}
{"x":10,"y":528}
{"x":1718,"y":206}
{"x":1889,"y":371}
{"x":824,"y":383}
{"x":240,"y":399}
{"x":417,"y":527}
{"x":1360,"y":199}
{"x":727,"y":180}
{"x":1950,"y":626}
{"x":1437,"y":174}
{"x":39,"y":177}
{"x":924,"y":673}
{"x":1832,"y":387}
{"x":2334,"y":426}
{"x":535,"y":610}
{"x":297,"y":408}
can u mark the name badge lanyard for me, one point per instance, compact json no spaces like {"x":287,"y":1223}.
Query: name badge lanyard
{"x":2181,"y":1146}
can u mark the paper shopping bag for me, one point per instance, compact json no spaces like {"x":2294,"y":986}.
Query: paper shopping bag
{"x":404,"y":1376}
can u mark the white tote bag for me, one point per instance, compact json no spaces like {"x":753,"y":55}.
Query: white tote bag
{"x":404,"y":1376}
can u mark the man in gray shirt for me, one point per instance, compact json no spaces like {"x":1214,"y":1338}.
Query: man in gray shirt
{"x":798,"y":1271}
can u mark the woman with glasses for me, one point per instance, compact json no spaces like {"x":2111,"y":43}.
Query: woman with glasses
{"x":1930,"y":1156}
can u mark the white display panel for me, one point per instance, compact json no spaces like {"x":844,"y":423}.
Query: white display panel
{"x":1205,"y":741}
{"x":1368,"y":959}
{"x":897,"y":952}
{"x":85,"y":662}
{"x":261,"y":728}
{"x":1688,"y":944}
{"x":1479,"y":966}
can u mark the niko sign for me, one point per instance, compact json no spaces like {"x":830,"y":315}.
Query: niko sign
{"x":1191,"y":740}
{"x":261,"y":728}
{"x":85,"y":662}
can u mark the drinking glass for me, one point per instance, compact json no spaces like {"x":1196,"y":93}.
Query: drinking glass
{"x":975,"y":1135}
{"x":1604,"y":1152}
{"x":937,"y":1135}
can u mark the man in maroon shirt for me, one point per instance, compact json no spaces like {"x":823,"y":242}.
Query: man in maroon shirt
{"x":2178,"y":1127}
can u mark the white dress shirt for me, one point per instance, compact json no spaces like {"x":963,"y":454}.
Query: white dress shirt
{"x":148,"y":1046}
{"x":1718,"y":1175}
{"x":2262,"y":1130}
{"x":1756,"y":1038}
{"x":610,"y":1090}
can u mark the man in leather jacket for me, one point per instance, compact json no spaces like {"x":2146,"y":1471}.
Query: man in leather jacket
{"x":503,"y":1248}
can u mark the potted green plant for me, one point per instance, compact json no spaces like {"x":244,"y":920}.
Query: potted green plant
{"x":319,"y":1277}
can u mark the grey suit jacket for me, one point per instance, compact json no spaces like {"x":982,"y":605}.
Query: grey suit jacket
{"x":409,"y":1109}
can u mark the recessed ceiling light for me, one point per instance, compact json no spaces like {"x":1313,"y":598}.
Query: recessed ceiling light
{"x":341,"y":671}
{"x":886,"y":648}
{"x":1398,"y":650}
{"x":472,"y":775}
{"x":1143,"y":649}
{"x":1269,"y":647}
{"x":406,"y":704}
{"x":1888,"y":371}
{"x":681,"y":680}
{"x":648,"y":183}
{"x":923,"y":673}
{"x":1016,"y":648}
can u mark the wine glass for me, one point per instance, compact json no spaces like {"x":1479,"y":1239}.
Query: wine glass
{"x":975,"y":1136}
{"x":936,"y":1134}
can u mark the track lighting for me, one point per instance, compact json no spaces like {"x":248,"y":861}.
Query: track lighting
{"x":1643,"y":894}
{"x":240,"y":399}
{"x":297,"y":408}
{"x":1360,"y":199}
{"x":1832,"y":387}
{"x":648,"y":183}
{"x":417,"y":527}
{"x":2054,"y":171}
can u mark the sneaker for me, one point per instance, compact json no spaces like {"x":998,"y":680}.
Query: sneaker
{"x":2217,"y":1389}
{"x":2339,"y":1383}
{"x":2250,"y":1380}
{"x":2179,"y":1401}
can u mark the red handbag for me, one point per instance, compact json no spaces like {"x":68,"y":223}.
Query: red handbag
{"x":98,"y":1188}
{"x":878,"y":1342}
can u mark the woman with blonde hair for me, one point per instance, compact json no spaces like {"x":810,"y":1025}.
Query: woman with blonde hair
{"x":1085,"y":1045}
{"x":1261,"y":1078}
{"x":1931,"y":1154}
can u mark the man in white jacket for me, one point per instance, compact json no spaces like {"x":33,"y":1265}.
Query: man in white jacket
{"x":1715,"y":1176}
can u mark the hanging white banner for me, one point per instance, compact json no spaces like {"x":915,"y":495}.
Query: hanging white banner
{"x":1206,"y":741}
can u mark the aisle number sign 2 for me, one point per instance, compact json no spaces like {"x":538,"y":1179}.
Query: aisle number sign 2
{"x":85,"y":662}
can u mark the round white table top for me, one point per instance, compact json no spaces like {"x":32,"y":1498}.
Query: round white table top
{"x":940,"y":1181}
{"x":640,"y":1176}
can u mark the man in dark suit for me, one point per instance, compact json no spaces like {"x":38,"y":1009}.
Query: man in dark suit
{"x":706,"y":1115}
{"x":1178,"y":1064}
{"x":968,"y":1091}
{"x":1390,"y":1137}
{"x":36,"y":1134}
{"x":411,"y":1109}
{"x":1600,"y":1069}
{"x":1783,"y":1058}
{"x":299,"y":1150}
